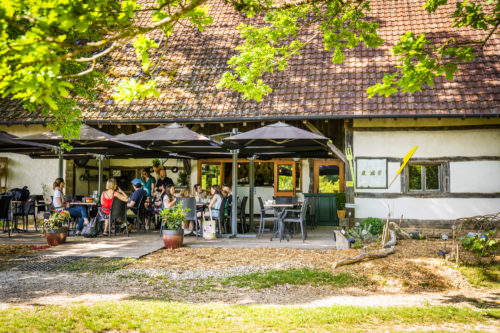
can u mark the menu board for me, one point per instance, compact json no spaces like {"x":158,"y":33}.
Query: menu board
{"x":371,"y":172}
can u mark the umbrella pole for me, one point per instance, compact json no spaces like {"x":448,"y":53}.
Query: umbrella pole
{"x":251,"y":188}
{"x":61,"y":163}
{"x":100,"y":159}
{"x":234,"y":207}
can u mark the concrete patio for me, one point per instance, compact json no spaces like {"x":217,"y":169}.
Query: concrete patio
{"x":141,"y":244}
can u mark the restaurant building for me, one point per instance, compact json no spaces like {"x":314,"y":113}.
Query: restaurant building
{"x":454,"y":172}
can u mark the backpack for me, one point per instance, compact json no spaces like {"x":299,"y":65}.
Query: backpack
{"x":92,"y":228}
{"x":19,"y":194}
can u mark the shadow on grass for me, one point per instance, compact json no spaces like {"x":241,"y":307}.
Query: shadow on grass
{"x":484,"y":303}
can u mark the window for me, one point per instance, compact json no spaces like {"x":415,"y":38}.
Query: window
{"x":424,"y":177}
{"x":285,"y":177}
{"x":328,"y":176}
{"x":210,"y":175}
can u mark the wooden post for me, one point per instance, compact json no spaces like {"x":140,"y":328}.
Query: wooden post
{"x":348,"y":142}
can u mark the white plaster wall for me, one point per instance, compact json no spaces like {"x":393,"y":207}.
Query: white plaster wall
{"x":430,"y":143}
{"x":475,"y":176}
{"x":426,"y":209}
{"x":265,"y":192}
{"x":25,"y":171}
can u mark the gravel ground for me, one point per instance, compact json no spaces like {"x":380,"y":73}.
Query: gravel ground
{"x":34,"y":288}
{"x":163,"y":275}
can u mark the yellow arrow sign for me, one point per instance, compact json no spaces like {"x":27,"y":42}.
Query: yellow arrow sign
{"x":405,"y":161}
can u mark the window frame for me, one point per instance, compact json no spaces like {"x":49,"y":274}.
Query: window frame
{"x":276,"y":161}
{"x":443,"y":177}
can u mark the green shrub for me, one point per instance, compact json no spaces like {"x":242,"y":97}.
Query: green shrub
{"x":340,"y":200}
{"x":484,"y":244}
{"x":377,"y":225}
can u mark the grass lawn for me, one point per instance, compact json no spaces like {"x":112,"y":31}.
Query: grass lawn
{"x":487,"y":276}
{"x":157,"y":316}
{"x":295,"y":277}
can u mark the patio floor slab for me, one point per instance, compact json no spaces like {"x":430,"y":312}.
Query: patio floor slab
{"x":141,"y":244}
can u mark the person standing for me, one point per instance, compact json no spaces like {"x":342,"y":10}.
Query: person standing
{"x":147,"y":181}
{"x":163,"y":181}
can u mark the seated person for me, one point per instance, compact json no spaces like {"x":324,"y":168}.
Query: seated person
{"x":216,"y":201}
{"x":60,"y":204}
{"x":112,"y":191}
{"x":163,"y":181}
{"x":136,"y":197}
{"x":169,"y":200}
{"x":198,"y":193}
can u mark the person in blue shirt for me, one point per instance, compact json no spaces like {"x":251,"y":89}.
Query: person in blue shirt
{"x":136,"y":197}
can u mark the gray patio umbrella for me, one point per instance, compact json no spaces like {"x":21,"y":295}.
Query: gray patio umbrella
{"x":275,"y":140}
{"x":174,"y":138}
{"x":278,"y":138}
{"x":91,"y":141}
{"x":9,"y":143}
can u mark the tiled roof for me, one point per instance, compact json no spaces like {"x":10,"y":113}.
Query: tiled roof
{"x":312,"y":86}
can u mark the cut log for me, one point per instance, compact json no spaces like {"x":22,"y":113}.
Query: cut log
{"x":400,"y":233}
{"x":363,"y":256}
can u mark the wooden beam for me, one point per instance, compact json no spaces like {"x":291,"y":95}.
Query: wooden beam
{"x":330,"y":145}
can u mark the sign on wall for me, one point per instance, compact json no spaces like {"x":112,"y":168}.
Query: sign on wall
{"x":371,"y":172}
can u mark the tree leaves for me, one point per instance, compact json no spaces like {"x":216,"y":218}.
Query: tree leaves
{"x":142,"y":44}
{"x":129,"y":90}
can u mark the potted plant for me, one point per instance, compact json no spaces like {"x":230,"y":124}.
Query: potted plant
{"x":172,"y":220}
{"x":156,"y":165}
{"x":341,"y":205}
{"x":182,"y":180}
{"x":53,"y":228}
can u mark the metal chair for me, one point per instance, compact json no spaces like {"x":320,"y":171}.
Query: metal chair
{"x":300,"y":219}
{"x":118,"y":211}
{"x":312,"y":212}
{"x":31,"y":207}
{"x":141,"y":214}
{"x":241,"y":213}
{"x":190,"y":203}
{"x":19,"y":211}
{"x":222,"y":219}
{"x":4,"y":211}
{"x":264,"y":218}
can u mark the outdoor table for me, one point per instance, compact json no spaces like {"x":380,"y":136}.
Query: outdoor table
{"x":91,"y":206}
{"x":280,"y":210}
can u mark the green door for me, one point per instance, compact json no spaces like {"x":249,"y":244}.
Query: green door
{"x":325,"y":212}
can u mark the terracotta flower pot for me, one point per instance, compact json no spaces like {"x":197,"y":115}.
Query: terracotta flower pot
{"x":341,"y":213}
{"x":173,"y":238}
{"x":56,"y":236}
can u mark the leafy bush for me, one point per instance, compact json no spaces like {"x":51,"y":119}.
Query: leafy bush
{"x":55,"y":221}
{"x":340,"y":201}
{"x":376,"y":225}
{"x":173,"y":218}
{"x":482,"y":244}
{"x":362,"y":234}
